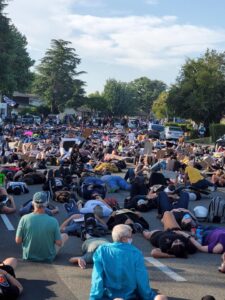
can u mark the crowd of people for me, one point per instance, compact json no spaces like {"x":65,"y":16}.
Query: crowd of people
{"x":157,"y":175}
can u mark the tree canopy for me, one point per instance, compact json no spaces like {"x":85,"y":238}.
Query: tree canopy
{"x":56,"y":76}
{"x":120,"y":97}
{"x":14,"y":58}
{"x":147,"y":91}
{"x":199,"y":91}
{"x":159,"y":107}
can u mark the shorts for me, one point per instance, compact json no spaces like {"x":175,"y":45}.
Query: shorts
{"x":155,"y":237}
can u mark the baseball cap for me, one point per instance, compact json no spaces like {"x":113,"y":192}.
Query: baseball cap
{"x":40,"y":197}
{"x":141,"y":202}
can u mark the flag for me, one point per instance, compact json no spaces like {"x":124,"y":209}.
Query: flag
{"x":9,"y":101}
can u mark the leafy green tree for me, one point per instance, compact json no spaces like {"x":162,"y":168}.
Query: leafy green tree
{"x":56,"y":77}
{"x":147,"y":91}
{"x":14,"y":58}
{"x":97,"y":102}
{"x":120,"y":98}
{"x":199,"y":91}
{"x":159,"y":106}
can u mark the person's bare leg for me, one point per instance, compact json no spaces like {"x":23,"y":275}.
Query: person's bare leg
{"x":11,"y":261}
{"x":169,"y":221}
{"x":222,"y":267}
{"x":147,"y":234}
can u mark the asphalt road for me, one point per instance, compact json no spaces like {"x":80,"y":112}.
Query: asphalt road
{"x":183,"y":279}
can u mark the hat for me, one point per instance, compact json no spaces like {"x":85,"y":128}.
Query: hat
{"x":40,"y":197}
{"x":170,"y":189}
{"x":140,"y":202}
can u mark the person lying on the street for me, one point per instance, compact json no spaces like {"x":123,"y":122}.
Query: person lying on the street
{"x":170,"y":242}
{"x":10,"y":287}
{"x":89,"y":247}
{"x":213,"y":240}
{"x":128,"y":217}
{"x":184,"y":217}
{"x":7,"y":203}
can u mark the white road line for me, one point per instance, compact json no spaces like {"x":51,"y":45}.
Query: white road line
{"x":165,"y":269}
{"x":8,"y":224}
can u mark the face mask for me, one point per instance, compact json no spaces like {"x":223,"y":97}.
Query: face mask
{"x":130,"y":240}
{"x":186,"y":216}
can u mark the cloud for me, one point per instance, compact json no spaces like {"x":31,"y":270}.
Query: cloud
{"x":141,"y":42}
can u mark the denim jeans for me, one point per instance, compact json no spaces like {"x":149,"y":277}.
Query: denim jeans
{"x":202,"y":184}
{"x":165,"y":204}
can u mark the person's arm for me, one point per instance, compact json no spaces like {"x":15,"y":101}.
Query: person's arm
{"x":66,"y":222}
{"x":97,"y":286}
{"x":194,"y":242}
{"x":19,"y":232}
{"x":12,"y":280}
{"x":157,"y":253}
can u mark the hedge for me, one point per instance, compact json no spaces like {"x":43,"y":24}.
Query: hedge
{"x":216,"y":131}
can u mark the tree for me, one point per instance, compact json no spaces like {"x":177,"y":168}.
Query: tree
{"x":159,"y":106}
{"x":147,"y":91}
{"x":97,"y":102}
{"x":55,"y":79}
{"x":14,"y":58}
{"x":120,"y":97}
{"x":199,"y":91}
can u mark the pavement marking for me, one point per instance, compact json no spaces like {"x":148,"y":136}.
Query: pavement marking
{"x":165,"y":269}
{"x":8,"y":224}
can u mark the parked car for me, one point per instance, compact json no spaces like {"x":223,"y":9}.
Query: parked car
{"x":173,"y":132}
{"x":156,"y":131}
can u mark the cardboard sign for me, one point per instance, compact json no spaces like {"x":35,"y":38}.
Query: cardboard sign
{"x":87,"y":132}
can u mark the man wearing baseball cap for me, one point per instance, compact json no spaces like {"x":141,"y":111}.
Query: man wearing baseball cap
{"x":39,"y":233}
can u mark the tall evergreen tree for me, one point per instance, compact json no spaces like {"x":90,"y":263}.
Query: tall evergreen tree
{"x":56,"y":77}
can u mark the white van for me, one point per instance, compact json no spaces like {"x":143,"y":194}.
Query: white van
{"x":173,"y":132}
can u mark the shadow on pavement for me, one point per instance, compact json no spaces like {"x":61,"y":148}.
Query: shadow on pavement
{"x":37,"y":289}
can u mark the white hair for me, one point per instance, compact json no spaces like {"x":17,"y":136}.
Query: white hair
{"x":120,"y":231}
{"x":39,"y":205}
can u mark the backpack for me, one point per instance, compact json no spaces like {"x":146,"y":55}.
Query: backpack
{"x":112,"y":202}
{"x":216,"y":211}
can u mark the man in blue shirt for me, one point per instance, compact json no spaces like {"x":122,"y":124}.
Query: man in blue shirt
{"x":119,"y":270}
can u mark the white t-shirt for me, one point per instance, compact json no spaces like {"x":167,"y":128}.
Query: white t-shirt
{"x":90,"y":205}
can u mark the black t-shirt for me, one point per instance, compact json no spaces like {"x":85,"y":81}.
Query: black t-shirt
{"x":164,"y":240}
{"x":7,"y":290}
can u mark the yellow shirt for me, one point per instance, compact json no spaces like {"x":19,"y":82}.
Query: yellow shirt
{"x":194,"y":174}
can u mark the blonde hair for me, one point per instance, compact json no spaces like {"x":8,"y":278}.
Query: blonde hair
{"x":120,"y":231}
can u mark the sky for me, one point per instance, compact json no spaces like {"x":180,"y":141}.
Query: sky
{"x":123,"y":39}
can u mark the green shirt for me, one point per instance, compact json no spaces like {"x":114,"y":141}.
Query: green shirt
{"x":39,"y":233}
{"x":2,"y":179}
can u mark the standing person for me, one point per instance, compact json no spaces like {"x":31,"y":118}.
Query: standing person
{"x":119,"y":270}
{"x":39,"y":233}
{"x":10,"y":287}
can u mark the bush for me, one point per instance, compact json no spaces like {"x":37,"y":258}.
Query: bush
{"x":216,"y":131}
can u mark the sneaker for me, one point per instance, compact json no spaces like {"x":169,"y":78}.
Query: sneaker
{"x":70,"y":207}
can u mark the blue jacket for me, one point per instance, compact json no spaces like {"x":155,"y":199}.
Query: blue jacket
{"x":119,"y":271}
